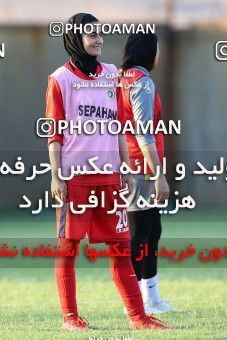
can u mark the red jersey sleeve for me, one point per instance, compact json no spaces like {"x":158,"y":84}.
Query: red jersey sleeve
{"x":54,"y":107}
{"x":120,"y":106}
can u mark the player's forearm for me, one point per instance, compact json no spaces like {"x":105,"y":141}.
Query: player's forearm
{"x":123,"y":149}
{"x":55,"y":157}
{"x":150,"y":152}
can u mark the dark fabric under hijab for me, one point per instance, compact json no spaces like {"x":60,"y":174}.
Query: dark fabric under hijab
{"x":74,"y":45}
{"x":140,"y":50}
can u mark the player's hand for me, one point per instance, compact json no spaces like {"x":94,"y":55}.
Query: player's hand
{"x":127,"y":182}
{"x":58,"y":188}
{"x":161,"y":189}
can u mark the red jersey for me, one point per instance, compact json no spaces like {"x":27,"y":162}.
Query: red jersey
{"x":135,"y":153}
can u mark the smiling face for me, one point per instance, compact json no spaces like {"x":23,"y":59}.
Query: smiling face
{"x":93,"y":42}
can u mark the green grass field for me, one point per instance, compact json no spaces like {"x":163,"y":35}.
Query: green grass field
{"x":30,"y":309}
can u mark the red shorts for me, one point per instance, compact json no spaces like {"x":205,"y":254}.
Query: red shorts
{"x":95,"y":222}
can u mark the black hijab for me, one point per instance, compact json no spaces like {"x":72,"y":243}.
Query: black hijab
{"x":140,"y":50}
{"x":74,"y":45}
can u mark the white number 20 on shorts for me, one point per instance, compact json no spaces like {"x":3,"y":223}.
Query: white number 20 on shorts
{"x":122,"y":224}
